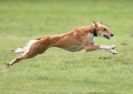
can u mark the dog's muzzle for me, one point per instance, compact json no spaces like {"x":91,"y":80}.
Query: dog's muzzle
{"x":108,"y":36}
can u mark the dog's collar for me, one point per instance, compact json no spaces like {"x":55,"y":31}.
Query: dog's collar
{"x":95,"y":32}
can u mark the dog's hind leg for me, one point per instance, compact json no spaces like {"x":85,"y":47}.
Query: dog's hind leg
{"x":18,"y":59}
{"x":31,"y":53}
{"x":35,"y":48}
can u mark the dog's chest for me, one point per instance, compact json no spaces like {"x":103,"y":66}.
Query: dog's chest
{"x":91,"y":39}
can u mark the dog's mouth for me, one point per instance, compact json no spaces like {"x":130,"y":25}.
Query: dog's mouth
{"x":106,"y":36}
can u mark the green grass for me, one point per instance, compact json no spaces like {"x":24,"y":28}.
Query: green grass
{"x":58,"y":71}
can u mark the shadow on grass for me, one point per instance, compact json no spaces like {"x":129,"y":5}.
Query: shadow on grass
{"x":105,"y":57}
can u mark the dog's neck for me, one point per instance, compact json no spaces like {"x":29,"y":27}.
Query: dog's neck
{"x":93,"y":31}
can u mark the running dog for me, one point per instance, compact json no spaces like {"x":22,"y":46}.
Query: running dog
{"x":75,"y":40}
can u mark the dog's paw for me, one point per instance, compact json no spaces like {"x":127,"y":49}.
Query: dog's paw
{"x":109,"y":48}
{"x":112,"y":47}
{"x":7,"y":65}
{"x":113,"y":51}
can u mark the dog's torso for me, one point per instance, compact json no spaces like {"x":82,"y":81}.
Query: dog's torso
{"x":71,"y":41}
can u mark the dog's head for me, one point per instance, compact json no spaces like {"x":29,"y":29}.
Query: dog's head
{"x":101,"y":30}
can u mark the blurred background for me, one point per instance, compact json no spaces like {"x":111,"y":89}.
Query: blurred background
{"x":58,"y":71}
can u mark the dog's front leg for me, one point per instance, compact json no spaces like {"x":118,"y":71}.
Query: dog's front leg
{"x":109,"y":48}
{"x":88,"y":45}
{"x":90,"y":48}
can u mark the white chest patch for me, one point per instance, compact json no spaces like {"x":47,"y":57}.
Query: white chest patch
{"x":91,"y":38}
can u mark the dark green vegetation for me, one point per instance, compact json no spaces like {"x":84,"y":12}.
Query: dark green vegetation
{"x":58,"y":71}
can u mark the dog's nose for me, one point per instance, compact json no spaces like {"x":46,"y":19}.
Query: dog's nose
{"x":112,"y":35}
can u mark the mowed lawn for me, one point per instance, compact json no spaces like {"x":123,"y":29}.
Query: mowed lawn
{"x":59,"y":71}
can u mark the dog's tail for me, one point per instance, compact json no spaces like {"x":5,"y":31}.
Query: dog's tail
{"x":18,"y":50}
{"x":25,"y":48}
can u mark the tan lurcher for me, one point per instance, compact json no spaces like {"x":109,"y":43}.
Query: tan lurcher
{"x":75,"y":40}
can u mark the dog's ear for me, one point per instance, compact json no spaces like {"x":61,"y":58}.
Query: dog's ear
{"x":95,"y":24}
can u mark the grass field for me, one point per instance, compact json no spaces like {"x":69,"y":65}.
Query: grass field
{"x":58,"y":71}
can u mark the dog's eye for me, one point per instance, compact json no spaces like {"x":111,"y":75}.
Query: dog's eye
{"x":105,"y":29}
